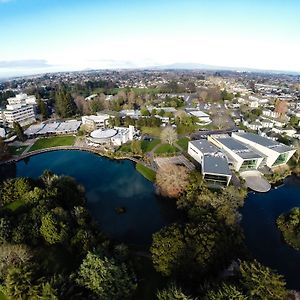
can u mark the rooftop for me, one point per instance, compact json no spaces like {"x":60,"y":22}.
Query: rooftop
{"x":263,"y":141}
{"x":237,"y":147}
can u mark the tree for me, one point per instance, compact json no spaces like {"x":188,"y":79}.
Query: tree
{"x":13,"y":256}
{"x":54,"y":226}
{"x":19,"y":131}
{"x":289,"y":225}
{"x":194,"y":250}
{"x":105,"y":278}
{"x":171,"y":180}
{"x":225,"y":292}
{"x":261,"y":282}
{"x":18,"y":282}
{"x":43,"y":109}
{"x":64,"y":102}
{"x":4,"y":153}
{"x":173,"y":293}
{"x":136,"y":147}
{"x":168,"y":135}
{"x":5,"y":230}
{"x":167,"y":249}
{"x":14,"y":190}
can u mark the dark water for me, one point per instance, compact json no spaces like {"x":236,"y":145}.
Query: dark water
{"x":262,"y":236}
{"x":109,"y":184}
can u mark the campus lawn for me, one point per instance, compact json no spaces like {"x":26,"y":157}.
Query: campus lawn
{"x":148,"y":146}
{"x":183,"y":143}
{"x":146,"y":172}
{"x":53,"y":142}
{"x":153,"y":131}
{"x":166,"y":149}
{"x":125,"y":148}
{"x":17,"y":150}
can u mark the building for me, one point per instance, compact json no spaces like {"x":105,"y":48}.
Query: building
{"x":240,"y":156}
{"x":54,"y":128}
{"x":275,"y":153}
{"x":95,"y":122}
{"x":214,"y":164}
{"x":22,"y":113}
{"x":116,"y":136}
{"x":22,"y":99}
{"x":202,"y":116}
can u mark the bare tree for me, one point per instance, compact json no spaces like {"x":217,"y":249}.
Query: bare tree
{"x":168,"y":135}
{"x":171,"y":180}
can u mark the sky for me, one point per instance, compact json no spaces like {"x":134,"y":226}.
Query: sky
{"x":54,"y":35}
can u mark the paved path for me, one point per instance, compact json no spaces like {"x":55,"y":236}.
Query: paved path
{"x":255,"y":181}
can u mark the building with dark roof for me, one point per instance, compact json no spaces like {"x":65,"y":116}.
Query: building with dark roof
{"x":239,"y":155}
{"x":214,"y":164}
{"x":275,"y":153}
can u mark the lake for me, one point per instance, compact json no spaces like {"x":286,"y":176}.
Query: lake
{"x":109,"y":184}
{"x":262,"y":236}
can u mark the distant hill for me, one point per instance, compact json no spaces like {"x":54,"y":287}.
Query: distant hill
{"x":196,"y":66}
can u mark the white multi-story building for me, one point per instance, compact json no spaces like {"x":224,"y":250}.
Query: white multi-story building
{"x":95,"y":122}
{"x":22,"y":113}
{"x":275,"y":153}
{"x":22,"y":99}
{"x":240,"y":156}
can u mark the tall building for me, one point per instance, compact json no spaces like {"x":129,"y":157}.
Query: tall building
{"x":19,"y":109}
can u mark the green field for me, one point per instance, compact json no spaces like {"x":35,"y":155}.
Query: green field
{"x":15,"y":205}
{"x":17,"y":150}
{"x":166,"y":149}
{"x":183,"y":143}
{"x":146,"y":172}
{"x":148,"y":146}
{"x":153,"y":131}
{"x":125,"y":148}
{"x":53,"y":142}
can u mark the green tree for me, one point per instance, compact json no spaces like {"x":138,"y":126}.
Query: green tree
{"x":43,"y":109}
{"x":5,"y":229}
{"x":173,"y":293}
{"x":136,"y":147}
{"x":13,"y":190}
{"x":64,"y":103}
{"x":4,"y":153}
{"x":167,"y":249}
{"x":55,"y":226}
{"x":261,"y":282}
{"x":226,"y":292}
{"x":18,"y":282}
{"x":19,"y":131}
{"x":105,"y":278}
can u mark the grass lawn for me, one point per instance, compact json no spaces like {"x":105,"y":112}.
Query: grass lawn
{"x":147,"y":146}
{"x":17,"y":150}
{"x":166,"y":149}
{"x":146,"y":172}
{"x":125,"y":148}
{"x":181,"y":129}
{"x":53,"y":142}
{"x":153,"y":131}
{"x":183,"y":143}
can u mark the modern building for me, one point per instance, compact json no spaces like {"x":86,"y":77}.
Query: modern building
{"x":22,"y":113}
{"x":214,"y":164}
{"x":275,"y":153}
{"x":202,"y":116}
{"x":22,"y":99}
{"x":116,"y":136}
{"x":95,"y":122}
{"x":56,"y":128}
{"x":239,"y":155}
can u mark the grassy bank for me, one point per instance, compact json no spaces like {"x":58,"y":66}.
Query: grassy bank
{"x":146,"y":172}
{"x":53,"y":142}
